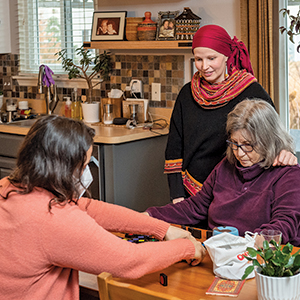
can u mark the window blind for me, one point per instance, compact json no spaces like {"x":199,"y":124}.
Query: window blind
{"x":47,"y":26}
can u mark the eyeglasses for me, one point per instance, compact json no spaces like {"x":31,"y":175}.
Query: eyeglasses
{"x":245,"y":147}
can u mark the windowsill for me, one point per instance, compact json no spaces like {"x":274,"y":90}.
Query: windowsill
{"x":61,"y":81}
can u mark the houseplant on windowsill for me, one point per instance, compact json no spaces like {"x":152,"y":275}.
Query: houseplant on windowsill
{"x":278,"y":276}
{"x":294,"y":28}
{"x":88,"y":68}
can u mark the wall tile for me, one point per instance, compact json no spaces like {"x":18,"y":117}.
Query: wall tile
{"x":165,"y":69}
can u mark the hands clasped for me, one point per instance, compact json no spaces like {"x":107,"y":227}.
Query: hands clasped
{"x":178,"y":233}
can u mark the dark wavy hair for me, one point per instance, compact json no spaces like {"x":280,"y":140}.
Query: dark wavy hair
{"x":52,"y":154}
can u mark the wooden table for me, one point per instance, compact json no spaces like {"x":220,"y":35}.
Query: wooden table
{"x":184,"y":281}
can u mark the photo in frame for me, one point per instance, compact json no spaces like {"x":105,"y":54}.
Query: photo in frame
{"x":108,"y":26}
{"x":166,"y":25}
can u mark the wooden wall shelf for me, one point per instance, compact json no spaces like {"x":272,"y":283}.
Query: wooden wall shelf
{"x":146,"y":45}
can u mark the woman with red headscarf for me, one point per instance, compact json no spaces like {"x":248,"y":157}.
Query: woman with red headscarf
{"x":197,"y":138}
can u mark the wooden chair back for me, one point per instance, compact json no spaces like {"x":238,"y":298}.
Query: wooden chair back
{"x":110,"y":289}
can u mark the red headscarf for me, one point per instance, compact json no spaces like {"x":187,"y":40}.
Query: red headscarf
{"x":217,"y":38}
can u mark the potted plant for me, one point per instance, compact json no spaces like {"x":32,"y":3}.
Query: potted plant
{"x":89,"y":67}
{"x":277,"y":271}
{"x":294,"y":28}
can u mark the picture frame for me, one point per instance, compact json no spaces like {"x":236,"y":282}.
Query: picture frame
{"x":108,"y":26}
{"x":166,"y":29}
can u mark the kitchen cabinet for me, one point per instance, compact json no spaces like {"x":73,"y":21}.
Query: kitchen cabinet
{"x":140,"y":45}
{"x":126,"y":171}
{"x":8,"y":152}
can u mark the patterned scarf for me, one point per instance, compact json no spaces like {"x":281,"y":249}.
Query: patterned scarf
{"x":211,"y":96}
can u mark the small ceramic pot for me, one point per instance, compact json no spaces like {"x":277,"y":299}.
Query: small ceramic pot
{"x":277,"y":288}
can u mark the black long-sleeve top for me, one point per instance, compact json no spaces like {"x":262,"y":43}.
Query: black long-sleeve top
{"x":198,"y":135}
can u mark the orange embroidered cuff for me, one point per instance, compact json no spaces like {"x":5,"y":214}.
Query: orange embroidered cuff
{"x":173,"y":166}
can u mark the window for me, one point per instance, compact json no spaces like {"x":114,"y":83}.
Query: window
{"x":47,"y":26}
{"x":294,"y":80}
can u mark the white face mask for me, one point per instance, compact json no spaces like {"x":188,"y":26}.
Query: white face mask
{"x":86,"y":179}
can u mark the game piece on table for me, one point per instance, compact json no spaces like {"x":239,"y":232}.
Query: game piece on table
{"x":163,"y":279}
{"x":138,"y":238}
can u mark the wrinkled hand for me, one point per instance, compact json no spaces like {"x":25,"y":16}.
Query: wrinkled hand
{"x":177,"y":200}
{"x":285,"y":158}
{"x":178,"y":233}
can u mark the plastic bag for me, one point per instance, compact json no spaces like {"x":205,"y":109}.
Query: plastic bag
{"x":227,"y":254}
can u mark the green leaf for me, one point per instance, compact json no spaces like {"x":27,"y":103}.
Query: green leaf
{"x":287,"y":249}
{"x":266,"y":245}
{"x":268,"y":270}
{"x":269,"y":254}
{"x":256,"y":263}
{"x":253,"y":252}
{"x":248,"y":271}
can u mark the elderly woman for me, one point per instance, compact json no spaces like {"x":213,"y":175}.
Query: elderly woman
{"x":49,"y":232}
{"x":245,"y":190}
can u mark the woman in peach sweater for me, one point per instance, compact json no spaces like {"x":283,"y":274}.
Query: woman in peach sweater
{"x":49,"y":232}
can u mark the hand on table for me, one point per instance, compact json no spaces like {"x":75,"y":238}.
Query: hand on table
{"x":285,"y":158}
{"x":178,"y":233}
{"x":174,"y":232}
{"x":200,"y":252}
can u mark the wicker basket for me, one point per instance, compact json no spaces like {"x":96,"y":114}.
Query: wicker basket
{"x":131,"y":28}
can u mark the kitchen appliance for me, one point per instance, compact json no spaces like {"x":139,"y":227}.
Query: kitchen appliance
{"x":134,"y":112}
{"x":136,"y":88}
{"x":108,"y":116}
{"x":142,"y":113}
{"x":116,"y":104}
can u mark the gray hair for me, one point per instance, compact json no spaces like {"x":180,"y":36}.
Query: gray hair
{"x":263,"y":126}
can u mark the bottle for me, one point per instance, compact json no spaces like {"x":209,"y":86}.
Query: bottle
{"x":68,"y":107}
{"x":76,"y":105}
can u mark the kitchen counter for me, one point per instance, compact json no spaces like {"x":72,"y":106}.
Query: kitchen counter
{"x":128,"y":164}
{"x":105,"y":134}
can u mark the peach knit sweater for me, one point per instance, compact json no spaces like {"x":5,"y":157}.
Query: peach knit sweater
{"x":40,"y":252}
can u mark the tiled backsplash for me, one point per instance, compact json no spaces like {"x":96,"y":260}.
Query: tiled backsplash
{"x":165,"y":69}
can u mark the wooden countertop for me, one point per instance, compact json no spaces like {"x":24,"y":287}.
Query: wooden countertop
{"x":105,"y":134}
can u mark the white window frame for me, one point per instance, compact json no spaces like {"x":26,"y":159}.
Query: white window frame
{"x":29,"y":78}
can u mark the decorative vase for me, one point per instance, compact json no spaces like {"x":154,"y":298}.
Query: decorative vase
{"x":131,"y":28}
{"x":277,"y":288}
{"x":146,"y":30}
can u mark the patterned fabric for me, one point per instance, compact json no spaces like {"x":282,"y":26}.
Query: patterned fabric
{"x":211,"y":96}
{"x":173,"y":166}
{"x":190,"y":183}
